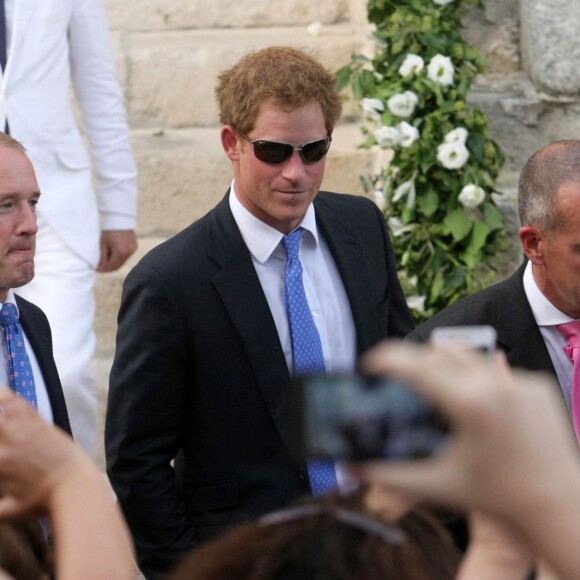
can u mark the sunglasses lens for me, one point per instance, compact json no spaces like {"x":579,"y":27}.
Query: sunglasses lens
{"x":314,"y":152}
{"x":272,"y":152}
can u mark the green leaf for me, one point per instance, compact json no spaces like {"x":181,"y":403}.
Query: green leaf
{"x":343,"y":77}
{"x":493,"y":217}
{"x":429,"y":203}
{"x":477,"y":239}
{"x":436,"y":287}
{"x":458,"y":223}
{"x":450,"y":253}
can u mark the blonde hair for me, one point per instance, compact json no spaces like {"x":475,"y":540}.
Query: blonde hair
{"x":285,"y":77}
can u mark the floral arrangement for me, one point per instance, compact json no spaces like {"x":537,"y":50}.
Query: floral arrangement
{"x":436,"y":189}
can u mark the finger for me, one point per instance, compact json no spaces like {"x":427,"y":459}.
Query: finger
{"x":13,"y":406}
{"x":427,"y":479}
{"x":500,"y":364}
{"x":11,"y":508}
{"x":104,"y":257}
{"x":112,"y":259}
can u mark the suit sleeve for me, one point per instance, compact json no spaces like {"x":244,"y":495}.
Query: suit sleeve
{"x":144,"y":417}
{"x":101,"y":102}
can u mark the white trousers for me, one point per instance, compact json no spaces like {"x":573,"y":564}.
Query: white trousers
{"x":63,"y":286}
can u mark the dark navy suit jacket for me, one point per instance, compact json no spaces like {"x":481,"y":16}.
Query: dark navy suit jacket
{"x":200,"y":375}
{"x":35,"y":325}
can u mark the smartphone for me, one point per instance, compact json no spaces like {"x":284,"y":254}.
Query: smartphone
{"x":355,"y":417}
{"x":481,"y":338}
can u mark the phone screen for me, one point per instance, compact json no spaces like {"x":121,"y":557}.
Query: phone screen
{"x":479,"y":338}
{"x":355,"y":417}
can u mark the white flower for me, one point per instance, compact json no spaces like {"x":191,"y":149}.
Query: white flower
{"x":452,"y":155}
{"x":387,"y":136}
{"x":458,"y":135}
{"x":397,"y":227}
{"x":379,"y":197}
{"x":314,"y":28}
{"x":372,"y":108}
{"x":409,"y":134}
{"x":416,"y":303}
{"x":471,"y":195}
{"x":442,"y":2}
{"x":403,"y":104}
{"x":379,"y":76}
{"x":441,"y":70}
{"x":406,"y":189}
{"x":412,"y":65}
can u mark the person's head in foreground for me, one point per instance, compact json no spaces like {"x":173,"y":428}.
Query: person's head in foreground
{"x":331,"y":537}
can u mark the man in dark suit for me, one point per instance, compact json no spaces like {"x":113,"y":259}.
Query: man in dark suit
{"x":19,"y":195}
{"x":544,"y":292}
{"x":204,"y":361}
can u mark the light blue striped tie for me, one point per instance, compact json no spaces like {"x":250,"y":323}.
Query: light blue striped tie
{"x":306,"y":347}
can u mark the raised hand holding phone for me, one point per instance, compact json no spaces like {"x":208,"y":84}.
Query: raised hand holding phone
{"x":511,"y":454}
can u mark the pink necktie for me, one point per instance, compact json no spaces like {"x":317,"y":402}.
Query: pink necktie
{"x":571,"y":332}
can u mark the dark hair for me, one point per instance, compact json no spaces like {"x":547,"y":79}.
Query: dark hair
{"x":285,"y":77}
{"x":24,"y":552}
{"x":542,"y":177}
{"x":320,"y":545}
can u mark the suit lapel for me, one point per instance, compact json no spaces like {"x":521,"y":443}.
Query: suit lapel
{"x":523,"y":342}
{"x":37,"y":333}
{"x":346,"y":249}
{"x":239,"y":288}
{"x":21,"y":12}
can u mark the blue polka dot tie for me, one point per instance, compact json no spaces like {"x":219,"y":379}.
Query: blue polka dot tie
{"x":20,"y":371}
{"x":306,"y":346}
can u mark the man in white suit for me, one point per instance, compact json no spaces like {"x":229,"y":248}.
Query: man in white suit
{"x":50,"y":42}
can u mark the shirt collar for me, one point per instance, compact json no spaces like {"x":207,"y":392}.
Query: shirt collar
{"x":261,"y":239}
{"x":545,"y":313}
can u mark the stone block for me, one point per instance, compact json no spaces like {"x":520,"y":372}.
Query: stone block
{"x":189,"y":14}
{"x":108,"y":289}
{"x":173,"y":74}
{"x":498,"y":10}
{"x":550,"y":48}
{"x":184,"y":173}
{"x":498,"y":42}
{"x":101,"y":368}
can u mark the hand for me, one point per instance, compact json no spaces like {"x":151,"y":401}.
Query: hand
{"x":494,"y":551}
{"x":35,"y":459}
{"x":511,"y":445}
{"x":116,"y":247}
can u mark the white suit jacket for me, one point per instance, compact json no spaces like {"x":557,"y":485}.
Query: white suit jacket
{"x":52,"y":42}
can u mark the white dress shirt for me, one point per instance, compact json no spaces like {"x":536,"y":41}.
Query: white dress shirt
{"x":323,"y":286}
{"x":322,"y":283}
{"x":44,"y":407}
{"x":547,"y":317}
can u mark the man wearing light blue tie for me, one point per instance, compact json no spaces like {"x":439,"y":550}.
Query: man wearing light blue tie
{"x":87,"y":215}
{"x":278,"y":279}
{"x":27,"y":365}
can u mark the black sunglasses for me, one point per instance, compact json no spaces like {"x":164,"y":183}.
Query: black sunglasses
{"x":274,"y":152}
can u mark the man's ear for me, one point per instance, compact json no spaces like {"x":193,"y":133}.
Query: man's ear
{"x":230,"y":142}
{"x":532,"y":239}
